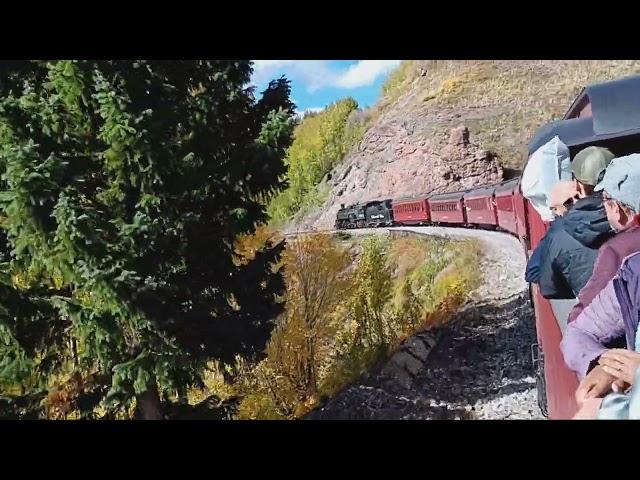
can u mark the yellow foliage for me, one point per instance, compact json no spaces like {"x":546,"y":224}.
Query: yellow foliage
{"x":20,"y":281}
{"x":246,"y":246}
{"x":320,"y":142}
{"x":340,"y":320}
{"x":23,"y":280}
{"x":398,"y":81}
{"x":60,"y":402}
{"x":453,"y":85}
{"x":214,"y":384}
{"x":258,"y":406}
{"x":57,"y":280}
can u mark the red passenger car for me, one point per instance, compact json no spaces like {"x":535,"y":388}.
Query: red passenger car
{"x":411,"y":211}
{"x":480,"y":206}
{"x":447,"y":208}
{"x":506,"y":205}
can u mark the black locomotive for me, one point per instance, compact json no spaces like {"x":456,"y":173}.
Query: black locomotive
{"x":377,"y":213}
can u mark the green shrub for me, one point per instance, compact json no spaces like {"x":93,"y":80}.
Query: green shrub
{"x":320,"y":142}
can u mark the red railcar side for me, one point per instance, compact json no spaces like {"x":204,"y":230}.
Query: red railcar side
{"x":506,"y":206}
{"x":561,"y":382}
{"x":447,"y":208}
{"x":480,"y":206}
{"x":411,"y":211}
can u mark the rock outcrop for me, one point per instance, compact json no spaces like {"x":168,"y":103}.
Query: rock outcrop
{"x":393,"y":161}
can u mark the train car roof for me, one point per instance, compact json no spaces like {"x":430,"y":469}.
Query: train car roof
{"x":480,"y":191}
{"x":447,"y":196}
{"x":507,"y":186}
{"x":574,"y":132}
{"x":614,"y":105}
{"x":614,"y":113}
{"x":419,"y":198}
{"x":373,"y":202}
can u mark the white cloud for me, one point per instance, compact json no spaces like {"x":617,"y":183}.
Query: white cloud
{"x":262,"y":64}
{"x":309,"y":110}
{"x":313,"y":110}
{"x":318,"y":74}
{"x":365,"y":72}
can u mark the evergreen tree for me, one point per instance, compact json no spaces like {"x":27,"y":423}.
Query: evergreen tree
{"x":124,"y":185}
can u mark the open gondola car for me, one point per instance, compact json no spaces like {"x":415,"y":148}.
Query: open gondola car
{"x":606,"y":115}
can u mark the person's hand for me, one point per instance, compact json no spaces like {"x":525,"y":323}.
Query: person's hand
{"x":597,"y":383}
{"x":589,"y":409}
{"x":619,"y":386}
{"x":620,"y":363}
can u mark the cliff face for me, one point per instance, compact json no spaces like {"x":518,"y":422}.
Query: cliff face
{"x":395,"y":162}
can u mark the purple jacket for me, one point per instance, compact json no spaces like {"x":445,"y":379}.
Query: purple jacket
{"x":609,"y":260}
{"x":612,"y":313}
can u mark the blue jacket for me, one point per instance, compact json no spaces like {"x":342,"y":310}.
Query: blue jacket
{"x":532,"y":273}
{"x":571,"y":248}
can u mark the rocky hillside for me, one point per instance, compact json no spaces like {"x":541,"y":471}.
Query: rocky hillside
{"x":446,"y":125}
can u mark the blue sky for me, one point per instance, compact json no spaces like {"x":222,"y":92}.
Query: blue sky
{"x":317,"y":83}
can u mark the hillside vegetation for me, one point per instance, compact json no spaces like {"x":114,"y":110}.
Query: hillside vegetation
{"x":502,"y":102}
{"x":321,"y":141}
{"x":348,"y":304}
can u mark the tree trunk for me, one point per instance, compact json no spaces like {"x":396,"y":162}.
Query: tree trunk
{"x":149,"y":407}
{"x":312,"y":387}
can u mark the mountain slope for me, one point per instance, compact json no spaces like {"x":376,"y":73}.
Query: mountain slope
{"x":446,"y":125}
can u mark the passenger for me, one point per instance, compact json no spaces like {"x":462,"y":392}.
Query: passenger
{"x":621,"y":365}
{"x":563,"y":196}
{"x":627,"y":241}
{"x":601,"y":319}
{"x":572,"y":241}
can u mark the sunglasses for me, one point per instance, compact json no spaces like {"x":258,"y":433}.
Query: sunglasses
{"x":571,"y":201}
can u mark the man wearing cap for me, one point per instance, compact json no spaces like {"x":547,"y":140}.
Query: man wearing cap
{"x":572,"y":242}
{"x":597,"y":320}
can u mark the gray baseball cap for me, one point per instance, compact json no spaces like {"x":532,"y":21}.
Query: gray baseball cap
{"x":589,"y":163}
{"x":622,"y":181}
